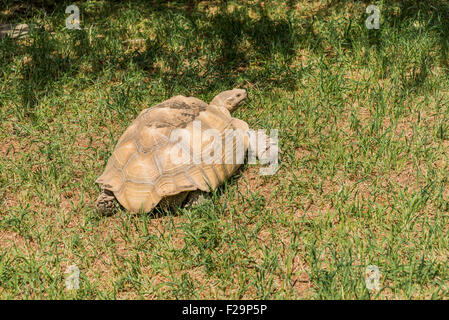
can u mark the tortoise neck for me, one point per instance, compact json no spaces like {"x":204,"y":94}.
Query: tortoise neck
{"x":222,"y":108}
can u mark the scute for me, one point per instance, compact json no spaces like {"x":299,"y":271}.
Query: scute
{"x":220,"y":170}
{"x":149,"y":137}
{"x":170,"y":158}
{"x":111,"y":177}
{"x":141,"y":168}
{"x":176,"y":112}
{"x":184,"y":182}
{"x":166,"y":186}
{"x":197,"y":175}
{"x":124,"y":151}
{"x":134,"y":197}
{"x":210,"y":176}
{"x":129,"y":132}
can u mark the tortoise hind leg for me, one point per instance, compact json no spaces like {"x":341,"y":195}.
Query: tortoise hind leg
{"x":106,"y":203}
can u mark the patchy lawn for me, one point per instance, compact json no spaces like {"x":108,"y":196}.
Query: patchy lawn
{"x":363,"y":121}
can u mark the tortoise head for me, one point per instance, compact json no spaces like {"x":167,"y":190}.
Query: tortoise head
{"x":230,"y":99}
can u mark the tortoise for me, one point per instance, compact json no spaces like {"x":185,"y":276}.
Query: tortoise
{"x":140,"y":174}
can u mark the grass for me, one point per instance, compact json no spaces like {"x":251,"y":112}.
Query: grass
{"x":363,"y":125}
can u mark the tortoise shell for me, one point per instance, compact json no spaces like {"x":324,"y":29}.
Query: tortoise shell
{"x":142,"y":169}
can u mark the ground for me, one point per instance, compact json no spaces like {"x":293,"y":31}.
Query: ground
{"x":362,"y":116}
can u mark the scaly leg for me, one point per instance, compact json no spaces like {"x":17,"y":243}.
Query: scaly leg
{"x":106,"y":203}
{"x":196,"y":198}
{"x":261,"y":146}
{"x":174,"y":202}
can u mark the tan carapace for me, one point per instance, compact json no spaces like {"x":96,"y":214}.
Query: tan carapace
{"x":141,"y":171}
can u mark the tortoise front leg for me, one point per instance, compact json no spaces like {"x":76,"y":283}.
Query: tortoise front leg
{"x":174,"y":202}
{"x":196,"y":198}
{"x":266,"y":149}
